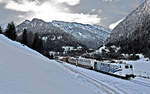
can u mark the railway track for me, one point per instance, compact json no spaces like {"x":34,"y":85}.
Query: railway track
{"x":141,"y":83}
{"x":114,"y":87}
{"x":93,"y":81}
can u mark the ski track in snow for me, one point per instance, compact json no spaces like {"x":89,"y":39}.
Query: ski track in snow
{"x":96,"y":82}
{"x":112,"y":85}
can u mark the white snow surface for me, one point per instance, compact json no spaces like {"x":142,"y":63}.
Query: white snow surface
{"x":141,"y":66}
{"x":112,"y":85}
{"x":24,"y":71}
{"x":100,"y":50}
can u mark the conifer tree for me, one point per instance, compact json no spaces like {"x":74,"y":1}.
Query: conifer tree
{"x":24,"y":37}
{"x":11,"y":31}
{"x":1,"y":30}
{"x":37,"y":43}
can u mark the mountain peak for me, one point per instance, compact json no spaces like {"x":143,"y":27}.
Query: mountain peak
{"x":133,"y":31}
{"x":133,"y":21}
{"x":38,"y":20}
{"x":26,"y":21}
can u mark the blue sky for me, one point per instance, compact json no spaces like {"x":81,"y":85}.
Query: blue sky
{"x":101,"y":12}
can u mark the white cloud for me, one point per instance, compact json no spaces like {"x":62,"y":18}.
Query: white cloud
{"x":69,"y":2}
{"x":52,"y":10}
{"x":1,"y":1}
{"x":93,"y":10}
{"x":20,"y":16}
{"x":49,"y":12}
{"x":24,"y":6}
{"x":4,"y":1}
{"x":113,"y":25}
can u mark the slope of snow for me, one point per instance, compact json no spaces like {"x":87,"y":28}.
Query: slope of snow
{"x":114,"y":85}
{"x":141,"y":67}
{"x":24,"y":71}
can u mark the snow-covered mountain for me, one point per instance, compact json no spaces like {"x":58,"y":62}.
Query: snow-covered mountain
{"x":36,"y":25}
{"x":133,"y":32}
{"x":55,"y":39}
{"x":91,"y":36}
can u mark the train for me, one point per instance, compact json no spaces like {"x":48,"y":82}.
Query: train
{"x":115,"y":68}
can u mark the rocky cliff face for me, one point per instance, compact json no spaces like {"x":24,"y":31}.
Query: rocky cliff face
{"x":133,"y":33}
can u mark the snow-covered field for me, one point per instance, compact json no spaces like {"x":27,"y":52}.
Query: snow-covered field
{"x":112,"y":85}
{"x":24,"y":71}
{"x":141,"y":67}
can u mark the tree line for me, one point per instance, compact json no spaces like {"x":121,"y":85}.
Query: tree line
{"x":10,"y":31}
{"x":36,"y":44}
